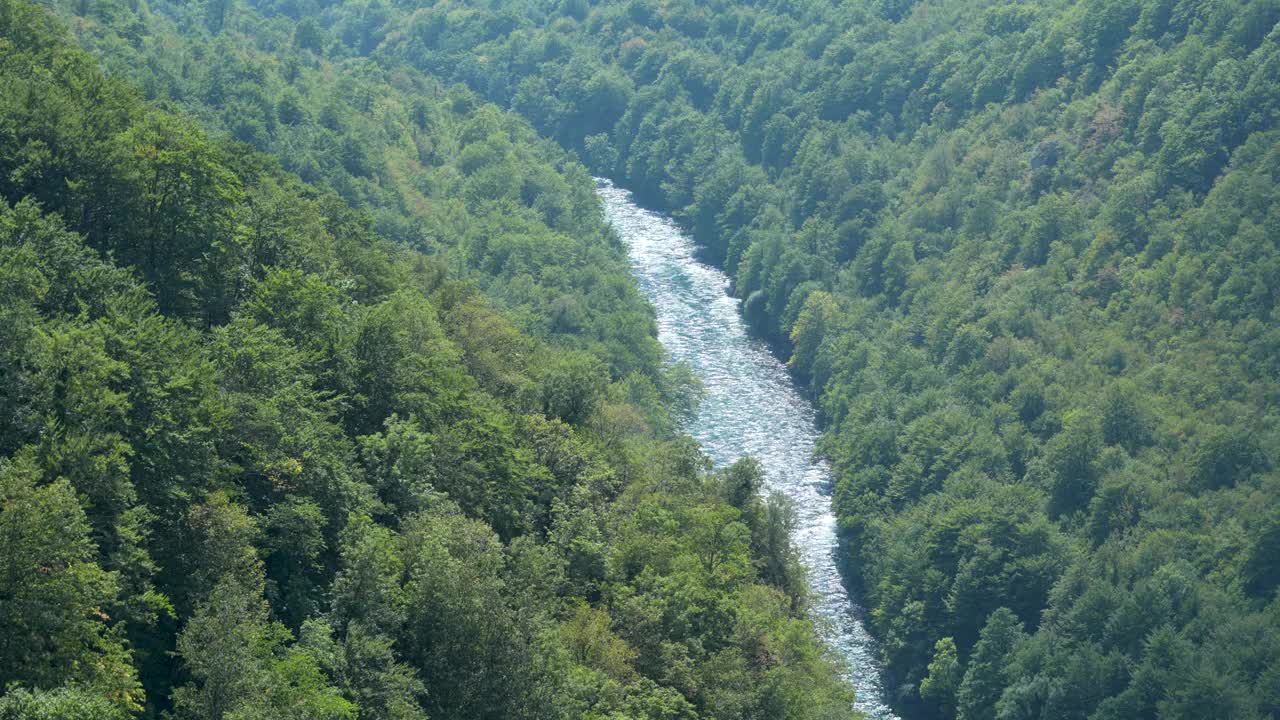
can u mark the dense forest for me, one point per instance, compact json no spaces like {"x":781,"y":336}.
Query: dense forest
{"x":325,"y":393}
{"x":1026,"y":257}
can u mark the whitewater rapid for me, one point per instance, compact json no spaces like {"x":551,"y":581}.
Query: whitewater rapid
{"x":751,"y":408}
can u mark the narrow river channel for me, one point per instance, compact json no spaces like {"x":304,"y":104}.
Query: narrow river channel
{"x":751,"y":408}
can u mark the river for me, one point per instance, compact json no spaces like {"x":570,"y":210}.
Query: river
{"x":751,"y":408}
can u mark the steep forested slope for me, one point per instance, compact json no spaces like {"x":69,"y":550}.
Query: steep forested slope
{"x":1026,"y":256}
{"x":258,"y":459}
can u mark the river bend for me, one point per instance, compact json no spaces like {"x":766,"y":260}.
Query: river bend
{"x":751,"y":408}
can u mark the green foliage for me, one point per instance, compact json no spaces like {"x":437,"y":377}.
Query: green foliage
{"x":571,"y":386}
{"x":1023,"y":252}
{"x":943,"y":680}
{"x":1023,"y":255}
{"x":985,"y":677}
{"x":241,"y":667}
{"x":60,"y":704}
{"x":388,"y":440}
{"x":55,"y":629}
